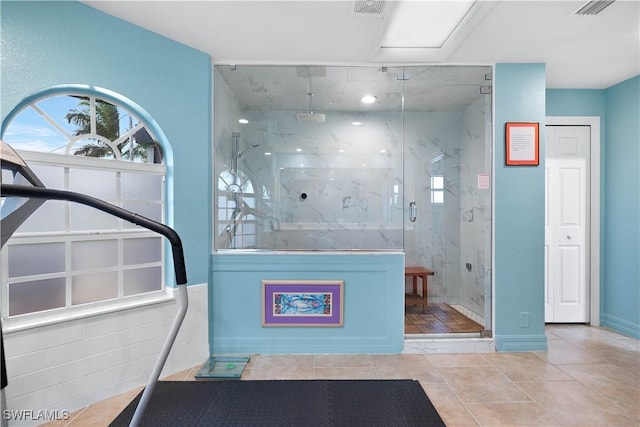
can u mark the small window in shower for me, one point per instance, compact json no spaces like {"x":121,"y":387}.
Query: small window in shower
{"x":437,"y":189}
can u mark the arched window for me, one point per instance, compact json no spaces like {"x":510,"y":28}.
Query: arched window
{"x":67,"y":256}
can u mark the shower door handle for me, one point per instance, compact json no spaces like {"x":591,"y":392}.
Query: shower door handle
{"x":413,"y":211}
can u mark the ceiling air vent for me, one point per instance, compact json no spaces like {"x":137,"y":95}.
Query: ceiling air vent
{"x":368,"y":7}
{"x":593,"y":7}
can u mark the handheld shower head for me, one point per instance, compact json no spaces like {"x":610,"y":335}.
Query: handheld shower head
{"x":235,"y":151}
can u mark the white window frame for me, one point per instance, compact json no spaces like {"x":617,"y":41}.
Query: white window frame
{"x":120,"y":234}
{"x":80,"y":310}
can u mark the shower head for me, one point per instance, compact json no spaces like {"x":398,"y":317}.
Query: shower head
{"x":311,"y":117}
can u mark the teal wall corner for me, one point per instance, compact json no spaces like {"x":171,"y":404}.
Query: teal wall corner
{"x":625,"y":327}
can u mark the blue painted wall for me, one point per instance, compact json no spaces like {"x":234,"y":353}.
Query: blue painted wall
{"x":576,"y":102}
{"x":618,"y":109}
{"x":621,"y":279}
{"x":47,"y":44}
{"x":519,"y":214}
{"x":373,"y":297}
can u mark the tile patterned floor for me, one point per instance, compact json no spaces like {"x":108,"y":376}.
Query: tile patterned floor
{"x":588,"y":377}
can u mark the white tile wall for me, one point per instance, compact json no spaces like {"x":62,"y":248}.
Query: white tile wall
{"x":69,"y":365}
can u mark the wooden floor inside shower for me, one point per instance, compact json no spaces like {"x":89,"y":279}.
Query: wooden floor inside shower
{"x":438,"y":318}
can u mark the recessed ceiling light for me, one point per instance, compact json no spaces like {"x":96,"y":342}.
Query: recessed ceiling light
{"x":267,"y":153}
{"x":424,"y":24}
{"x":356,"y":123}
{"x":298,"y":150}
{"x":243,"y":121}
{"x":368,"y":99}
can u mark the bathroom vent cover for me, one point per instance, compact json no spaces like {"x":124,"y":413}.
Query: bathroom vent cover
{"x":593,"y":7}
{"x":368,"y":7}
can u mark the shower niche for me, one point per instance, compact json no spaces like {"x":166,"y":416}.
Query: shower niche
{"x":304,"y":162}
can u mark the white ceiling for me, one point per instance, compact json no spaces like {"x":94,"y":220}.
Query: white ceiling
{"x":581,"y":52}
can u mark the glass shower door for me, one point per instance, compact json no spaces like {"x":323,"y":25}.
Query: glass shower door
{"x":447,"y":141}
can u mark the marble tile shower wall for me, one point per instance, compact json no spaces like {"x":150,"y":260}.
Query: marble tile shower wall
{"x":331,"y":185}
{"x":335,"y":186}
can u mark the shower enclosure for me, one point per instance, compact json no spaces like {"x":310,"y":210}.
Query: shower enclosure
{"x":304,"y":162}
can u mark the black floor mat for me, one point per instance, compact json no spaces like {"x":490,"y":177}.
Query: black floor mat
{"x":286,"y":403}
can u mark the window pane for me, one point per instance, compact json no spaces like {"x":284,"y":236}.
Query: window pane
{"x":40,"y":258}
{"x":249,"y":241}
{"x":139,"y":251}
{"x":96,"y":183}
{"x":107,"y":120}
{"x":51,"y":176}
{"x":437,"y":197}
{"x":127,"y":121}
{"x":141,"y":186}
{"x":87,"y":218}
{"x":437,"y":182}
{"x":65,"y":109}
{"x":29,"y":297}
{"x":94,"y":287}
{"x":50,"y":216}
{"x":92,"y":147}
{"x":142,"y":280}
{"x":94,"y":254}
{"x":30,"y":131}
